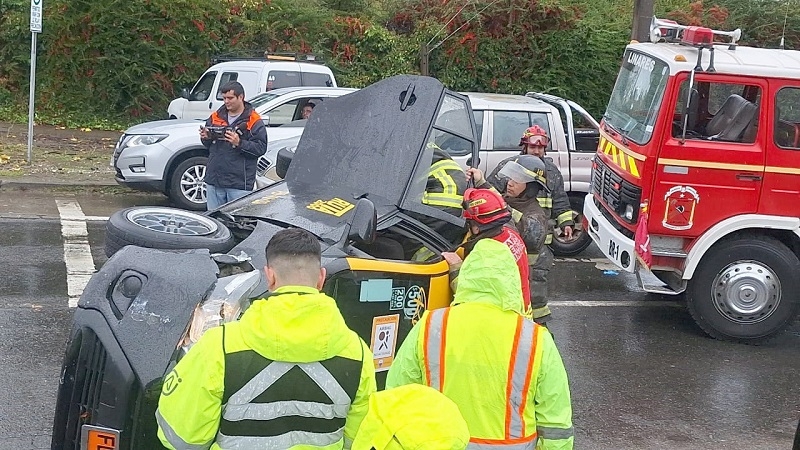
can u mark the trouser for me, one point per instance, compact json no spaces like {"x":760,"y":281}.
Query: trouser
{"x":217,"y":196}
{"x":537,"y":276}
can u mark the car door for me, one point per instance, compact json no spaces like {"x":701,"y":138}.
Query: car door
{"x":201,"y":97}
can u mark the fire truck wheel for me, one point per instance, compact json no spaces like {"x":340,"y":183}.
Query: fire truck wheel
{"x":561,"y":246}
{"x":746,"y":289}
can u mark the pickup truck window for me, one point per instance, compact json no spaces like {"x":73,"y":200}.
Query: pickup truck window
{"x":478,"y":116}
{"x":202,"y":90}
{"x":509,"y":125}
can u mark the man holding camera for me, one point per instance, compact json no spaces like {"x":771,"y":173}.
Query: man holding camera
{"x":235,"y":137}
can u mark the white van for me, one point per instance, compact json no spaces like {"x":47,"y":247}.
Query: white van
{"x":257,"y":76}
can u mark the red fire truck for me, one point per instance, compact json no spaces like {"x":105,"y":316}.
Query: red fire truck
{"x":696,"y":180}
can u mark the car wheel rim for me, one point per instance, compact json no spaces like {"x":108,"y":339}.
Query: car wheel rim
{"x":193,"y":187}
{"x":746,"y":292}
{"x":172,"y":222}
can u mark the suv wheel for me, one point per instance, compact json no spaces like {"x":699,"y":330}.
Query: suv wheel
{"x":561,"y":246}
{"x":187,"y":188}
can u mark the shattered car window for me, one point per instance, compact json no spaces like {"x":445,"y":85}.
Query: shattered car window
{"x":454,"y":116}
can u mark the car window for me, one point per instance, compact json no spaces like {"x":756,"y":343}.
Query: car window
{"x":478,"y":115}
{"x":224,"y":78}
{"x":509,"y":125}
{"x":282,"y":78}
{"x":717,"y":111}
{"x":453,"y":116}
{"x":202,"y":90}
{"x":283,"y":113}
{"x":316,"y":79}
{"x":787,"y":118}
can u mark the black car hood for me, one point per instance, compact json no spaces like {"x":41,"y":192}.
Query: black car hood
{"x":323,"y":212}
{"x":369,"y":140}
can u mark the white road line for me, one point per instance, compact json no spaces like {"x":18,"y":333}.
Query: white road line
{"x":586,"y":260}
{"x":77,"y":252}
{"x":96,"y":218}
{"x":617,"y":303}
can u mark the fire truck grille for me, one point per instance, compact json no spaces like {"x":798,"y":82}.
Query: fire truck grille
{"x":617,"y":193}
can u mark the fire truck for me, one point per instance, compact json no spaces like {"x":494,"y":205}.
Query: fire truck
{"x":696,"y":179}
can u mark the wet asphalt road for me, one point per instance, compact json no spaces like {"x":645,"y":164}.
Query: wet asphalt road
{"x":642,"y":376}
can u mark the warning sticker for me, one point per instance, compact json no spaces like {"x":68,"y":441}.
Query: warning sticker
{"x":335,"y":206}
{"x":398,"y":299}
{"x":384,"y":340}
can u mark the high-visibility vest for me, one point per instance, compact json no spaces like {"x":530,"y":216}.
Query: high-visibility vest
{"x":519,"y":353}
{"x":274,"y":404}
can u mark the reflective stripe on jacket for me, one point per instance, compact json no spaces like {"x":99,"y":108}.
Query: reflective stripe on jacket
{"x":503,"y":371}
{"x":446,"y":183}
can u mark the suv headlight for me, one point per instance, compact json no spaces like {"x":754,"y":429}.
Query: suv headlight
{"x":145,"y":139}
{"x":225,"y":304}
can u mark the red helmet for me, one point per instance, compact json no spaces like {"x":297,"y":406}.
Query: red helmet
{"x":485,"y":207}
{"x":534,"y":135}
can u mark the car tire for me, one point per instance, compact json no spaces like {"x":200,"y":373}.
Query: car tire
{"x":187,"y":189}
{"x":165,"y":228}
{"x":763,"y":272}
{"x":580,"y":238}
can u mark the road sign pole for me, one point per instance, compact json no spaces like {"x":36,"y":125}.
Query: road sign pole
{"x":31,"y":96}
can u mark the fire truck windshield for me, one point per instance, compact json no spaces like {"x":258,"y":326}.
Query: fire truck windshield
{"x":637,"y":95}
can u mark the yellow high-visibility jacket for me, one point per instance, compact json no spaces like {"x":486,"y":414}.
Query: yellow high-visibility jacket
{"x":502,"y":370}
{"x":244,"y":383}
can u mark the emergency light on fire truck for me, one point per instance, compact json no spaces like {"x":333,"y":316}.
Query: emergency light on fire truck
{"x":702,"y":37}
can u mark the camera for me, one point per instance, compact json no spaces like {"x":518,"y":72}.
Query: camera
{"x":217,"y":133}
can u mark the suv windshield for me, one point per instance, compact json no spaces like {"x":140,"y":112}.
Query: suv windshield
{"x":637,"y":95}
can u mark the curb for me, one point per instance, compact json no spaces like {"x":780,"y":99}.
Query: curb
{"x":37,"y":184}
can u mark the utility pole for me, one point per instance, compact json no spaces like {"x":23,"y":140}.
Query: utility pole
{"x":643,"y":11}
{"x":423,"y":60}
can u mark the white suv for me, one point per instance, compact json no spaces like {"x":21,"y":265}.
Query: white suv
{"x":167,"y":155}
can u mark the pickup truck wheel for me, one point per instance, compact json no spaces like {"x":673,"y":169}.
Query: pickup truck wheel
{"x":561,"y":246}
{"x":745,"y":289}
{"x":165,"y":228}
{"x":187,"y":189}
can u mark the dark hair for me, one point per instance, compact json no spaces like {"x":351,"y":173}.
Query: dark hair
{"x":235,"y":86}
{"x":293,"y":243}
{"x":311,"y":104}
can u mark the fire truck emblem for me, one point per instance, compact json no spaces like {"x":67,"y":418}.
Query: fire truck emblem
{"x":680,"y":203}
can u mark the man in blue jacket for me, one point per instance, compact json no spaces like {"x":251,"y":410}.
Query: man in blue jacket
{"x":235,"y":137}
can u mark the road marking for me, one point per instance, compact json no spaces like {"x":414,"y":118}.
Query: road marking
{"x":599,"y":263}
{"x":617,"y":303}
{"x":77,"y":252}
{"x":96,"y":219}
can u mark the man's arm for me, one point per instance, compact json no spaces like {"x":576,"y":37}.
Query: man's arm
{"x":256,"y":143}
{"x":551,"y":398}
{"x":407,"y":365}
{"x":360,"y":405}
{"x":190,"y":405}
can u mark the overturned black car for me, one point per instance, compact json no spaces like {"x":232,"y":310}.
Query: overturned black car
{"x":356,"y":182}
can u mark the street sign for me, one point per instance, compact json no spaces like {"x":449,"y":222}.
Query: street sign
{"x":36,"y":16}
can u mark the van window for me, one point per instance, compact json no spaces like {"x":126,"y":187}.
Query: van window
{"x":316,"y":79}
{"x":508,"y":127}
{"x":717,"y":112}
{"x":282,"y":78}
{"x":225,"y":78}
{"x":202,"y":90}
{"x":787,"y":118}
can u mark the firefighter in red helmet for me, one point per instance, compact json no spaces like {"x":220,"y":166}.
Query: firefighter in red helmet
{"x":488,"y":216}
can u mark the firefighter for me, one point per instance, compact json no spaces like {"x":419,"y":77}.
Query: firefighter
{"x":488,"y":216}
{"x":525,"y":179}
{"x":502,"y":370}
{"x":412,"y":417}
{"x":553,"y":200}
{"x":243,"y":385}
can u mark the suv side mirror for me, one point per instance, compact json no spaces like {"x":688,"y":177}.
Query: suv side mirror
{"x":363,"y":225}
{"x":265,"y":119}
{"x":185,"y":93}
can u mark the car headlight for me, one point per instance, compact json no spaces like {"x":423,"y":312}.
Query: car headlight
{"x":628,"y":215}
{"x":225,"y":304}
{"x":146,"y":139}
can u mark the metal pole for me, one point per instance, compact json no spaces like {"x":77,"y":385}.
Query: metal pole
{"x":30,"y":95}
{"x":643,"y":11}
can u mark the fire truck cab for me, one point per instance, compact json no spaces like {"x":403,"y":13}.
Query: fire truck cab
{"x":696,"y":179}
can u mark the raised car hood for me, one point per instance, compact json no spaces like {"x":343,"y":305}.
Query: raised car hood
{"x":369,"y":140}
{"x":165,"y":126}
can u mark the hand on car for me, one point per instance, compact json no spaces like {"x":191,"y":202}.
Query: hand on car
{"x":452,"y":259}
{"x":473,"y":173}
{"x":232,"y":137}
{"x":203,"y":133}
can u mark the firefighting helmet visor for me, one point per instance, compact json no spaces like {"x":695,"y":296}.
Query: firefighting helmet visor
{"x":519,"y":174}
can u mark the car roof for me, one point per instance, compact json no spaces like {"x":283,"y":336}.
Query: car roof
{"x":276,"y":65}
{"x":483,"y":100}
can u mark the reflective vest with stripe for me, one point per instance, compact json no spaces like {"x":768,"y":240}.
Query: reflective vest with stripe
{"x":446,"y":183}
{"x":496,"y":370}
{"x":274,"y":404}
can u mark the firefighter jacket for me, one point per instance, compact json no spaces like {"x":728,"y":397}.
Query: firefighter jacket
{"x":235,"y":167}
{"x":502,"y":370}
{"x":446,"y":183}
{"x":412,"y":417}
{"x":243,"y":385}
{"x":511,"y":238}
{"x":555,"y":203}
